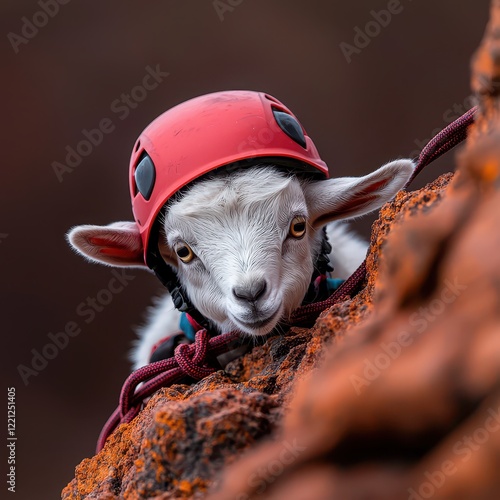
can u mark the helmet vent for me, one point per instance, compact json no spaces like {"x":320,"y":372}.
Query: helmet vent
{"x":290,"y":126}
{"x":145,"y":176}
{"x":271,"y":98}
{"x":137,"y":146}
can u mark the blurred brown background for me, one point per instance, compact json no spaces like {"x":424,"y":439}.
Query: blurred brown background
{"x":411,"y":79}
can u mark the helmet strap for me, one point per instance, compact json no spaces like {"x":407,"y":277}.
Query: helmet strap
{"x":318,"y":289}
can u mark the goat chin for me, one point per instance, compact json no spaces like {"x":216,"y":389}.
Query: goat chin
{"x":262,"y":326}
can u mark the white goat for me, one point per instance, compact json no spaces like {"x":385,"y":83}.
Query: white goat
{"x":244,"y":244}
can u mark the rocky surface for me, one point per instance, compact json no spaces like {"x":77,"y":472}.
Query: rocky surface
{"x":393,"y":394}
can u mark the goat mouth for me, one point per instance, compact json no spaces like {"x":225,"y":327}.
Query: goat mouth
{"x":260,"y":324}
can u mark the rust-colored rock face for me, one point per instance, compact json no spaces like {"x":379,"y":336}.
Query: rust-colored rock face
{"x":393,"y":394}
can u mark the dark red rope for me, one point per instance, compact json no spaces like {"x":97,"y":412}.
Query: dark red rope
{"x":447,"y":139}
{"x":347,"y":289}
{"x":189,"y":359}
{"x":192,"y":359}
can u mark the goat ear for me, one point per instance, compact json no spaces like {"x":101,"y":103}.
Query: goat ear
{"x":118,"y":244}
{"x":347,"y":197}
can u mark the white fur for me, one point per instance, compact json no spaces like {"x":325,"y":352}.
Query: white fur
{"x":163,"y":321}
{"x":348,"y":249}
{"x":238,"y":227}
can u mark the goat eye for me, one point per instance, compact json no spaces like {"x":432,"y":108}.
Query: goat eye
{"x":298,"y":227}
{"x":184,"y":253}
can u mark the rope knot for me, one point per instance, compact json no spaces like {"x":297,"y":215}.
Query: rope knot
{"x":191,"y":358}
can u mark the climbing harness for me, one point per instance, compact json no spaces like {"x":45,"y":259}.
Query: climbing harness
{"x":203,"y":357}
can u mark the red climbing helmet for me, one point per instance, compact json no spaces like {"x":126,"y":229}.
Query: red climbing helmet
{"x":232,"y":129}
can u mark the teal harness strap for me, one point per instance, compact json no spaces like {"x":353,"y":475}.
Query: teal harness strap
{"x":186,"y":327}
{"x":332,"y":284}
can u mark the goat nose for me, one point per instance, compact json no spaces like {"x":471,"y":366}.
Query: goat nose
{"x":250,"y":292}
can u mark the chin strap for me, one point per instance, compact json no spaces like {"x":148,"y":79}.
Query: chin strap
{"x":201,"y":358}
{"x":320,"y":280}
